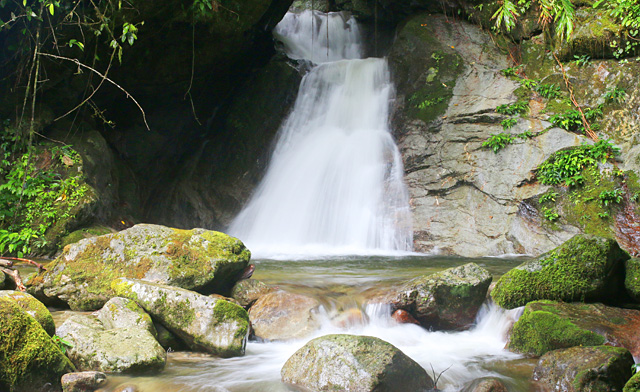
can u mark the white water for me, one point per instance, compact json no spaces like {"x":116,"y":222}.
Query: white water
{"x":461,"y":357}
{"x":334,"y":184}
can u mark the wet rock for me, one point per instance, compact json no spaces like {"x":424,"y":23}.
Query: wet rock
{"x":349,"y":318}
{"x":29,"y":357}
{"x":547,"y":325}
{"x":584,"y":369}
{"x":633,"y":385}
{"x":282,"y":316}
{"x":247,"y":291}
{"x":195,"y":259}
{"x":632,"y":278}
{"x":203,"y":323}
{"x":83,"y":381}
{"x":584,"y":268}
{"x":118,"y":338}
{"x":33,"y":307}
{"x":404,"y":317}
{"x":127,"y":388}
{"x":449,"y":299}
{"x":487,"y":384}
{"x":169,"y":340}
{"x":353,"y":363}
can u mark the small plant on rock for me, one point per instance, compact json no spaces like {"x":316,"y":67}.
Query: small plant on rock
{"x":498,"y":141}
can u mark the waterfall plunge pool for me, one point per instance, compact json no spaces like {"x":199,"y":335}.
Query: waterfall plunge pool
{"x":340,"y":284}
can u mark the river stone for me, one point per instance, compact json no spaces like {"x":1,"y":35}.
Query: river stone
{"x":584,"y":369}
{"x":100,"y":342}
{"x":83,"y":381}
{"x":33,"y":307}
{"x":584,"y":268}
{"x":203,"y":323}
{"x":195,"y":259}
{"x":247,"y":291}
{"x":447,"y":300}
{"x":548,"y":325}
{"x":486,"y":384}
{"x":353,"y":363}
{"x":282,"y":316}
{"x":29,"y":359}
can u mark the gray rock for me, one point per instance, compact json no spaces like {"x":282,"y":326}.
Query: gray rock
{"x":203,"y":323}
{"x":124,"y":346}
{"x":168,"y":339}
{"x":83,"y":381}
{"x":124,"y":313}
{"x":584,"y":369}
{"x":33,"y":307}
{"x":282,"y":316}
{"x":354,"y":363}
{"x":247,"y":291}
{"x":195,"y":259}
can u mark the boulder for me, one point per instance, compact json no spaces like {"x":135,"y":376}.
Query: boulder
{"x":547,"y":325}
{"x":585,"y":268}
{"x":33,"y":307}
{"x":633,"y":385}
{"x":353,"y":363}
{"x":632,"y":278}
{"x":83,"y":381}
{"x":486,"y":384}
{"x":118,"y":338}
{"x":203,"y":323}
{"x":447,"y":300}
{"x":195,"y":259}
{"x":168,"y":339}
{"x":282,"y":316}
{"x":584,"y":369}
{"x":247,"y":291}
{"x":29,"y":359}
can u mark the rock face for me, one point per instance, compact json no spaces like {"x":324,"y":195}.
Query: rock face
{"x":282,"y":316}
{"x":585,"y":369}
{"x":353,"y":363}
{"x":547,"y":325}
{"x":33,"y":307}
{"x":466,"y":200}
{"x":195,"y":259}
{"x":29,"y":359}
{"x":203,"y":323}
{"x":584,"y":268}
{"x":83,"y":381}
{"x":446,"y":300}
{"x":118,"y":338}
{"x":247,"y":291}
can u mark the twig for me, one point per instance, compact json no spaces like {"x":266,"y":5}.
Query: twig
{"x":34,"y":263}
{"x":78,"y":63}
{"x":6,"y":263}
{"x":15,"y":276}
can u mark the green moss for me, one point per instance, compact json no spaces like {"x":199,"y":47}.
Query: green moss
{"x":227,"y":311}
{"x":632,"y":278}
{"x":633,"y":385}
{"x":537,"y":332}
{"x":78,"y":235}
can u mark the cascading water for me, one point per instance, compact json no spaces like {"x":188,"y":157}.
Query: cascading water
{"x":335,"y":181}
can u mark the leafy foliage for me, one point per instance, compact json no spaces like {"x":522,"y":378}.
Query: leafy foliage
{"x":549,"y":91}
{"x":550,"y":196}
{"x":552,"y":12}
{"x":571,"y":120}
{"x":519,"y":107}
{"x":610,"y":197}
{"x":497,"y":142}
{"x":615,"y":95}
{"x":509,"y":123}
{"x":61,"y":343}
{"x":549,"y":214}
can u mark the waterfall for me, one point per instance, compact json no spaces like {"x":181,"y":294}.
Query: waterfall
{"x":334,"y":184}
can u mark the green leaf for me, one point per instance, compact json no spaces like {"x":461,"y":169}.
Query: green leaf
{"x":51,"y":9}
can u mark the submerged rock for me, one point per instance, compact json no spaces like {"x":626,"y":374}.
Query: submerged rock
{"x":33,"y":307}
{"x":486,"y":384}
{"x":282,"y":316}
{"x":247,"y":291}
{"x":195,"y":259}
{"x":584,"y":369}
{"x":449,"y":299}
{"x":354,"y":363}
{"x":547,"y":325}
{"x":29,"y":359}
{"x":83,"y":381}
{"x":585,"y":268}
{"x":203,"y":323}
{"x":118,"y":338}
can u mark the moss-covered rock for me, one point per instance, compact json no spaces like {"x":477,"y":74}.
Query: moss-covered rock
{"x":83,"y":381}
{"x":81,"y":234}
{"x":282,"y":315}
{"x":203,"y":323}
{"x":633,"y":385}
{"x":354,"y":363}
{"x":585,"y":369}
{"x":585,"y":268}
{"x":632,"y":278}
{"x":548,"y":325}
{"x":29,"y":359}
{"x":195,"y":259}
{"x":33,"y":307}
{"x":247,"y":291}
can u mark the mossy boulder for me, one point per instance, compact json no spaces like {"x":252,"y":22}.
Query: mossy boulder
{"x":548,"y":325}
{"x":585,"y":268}
{"x":119,"y":338}
{"x":447,"y":300}
{"x":353,"y":363}
{"x":29,"y":359}
{"x":632,"y":278}
{"x":203,"y":323}
{"x":83,"y":381}
{"x":584,"y":369}
{"x":633,"y":385}
{"x":33,"y":307}
{"x":247,"y":291}
{"x":198,"y":259}
{"x":81,"y":234}
{"x":282,"y":315}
